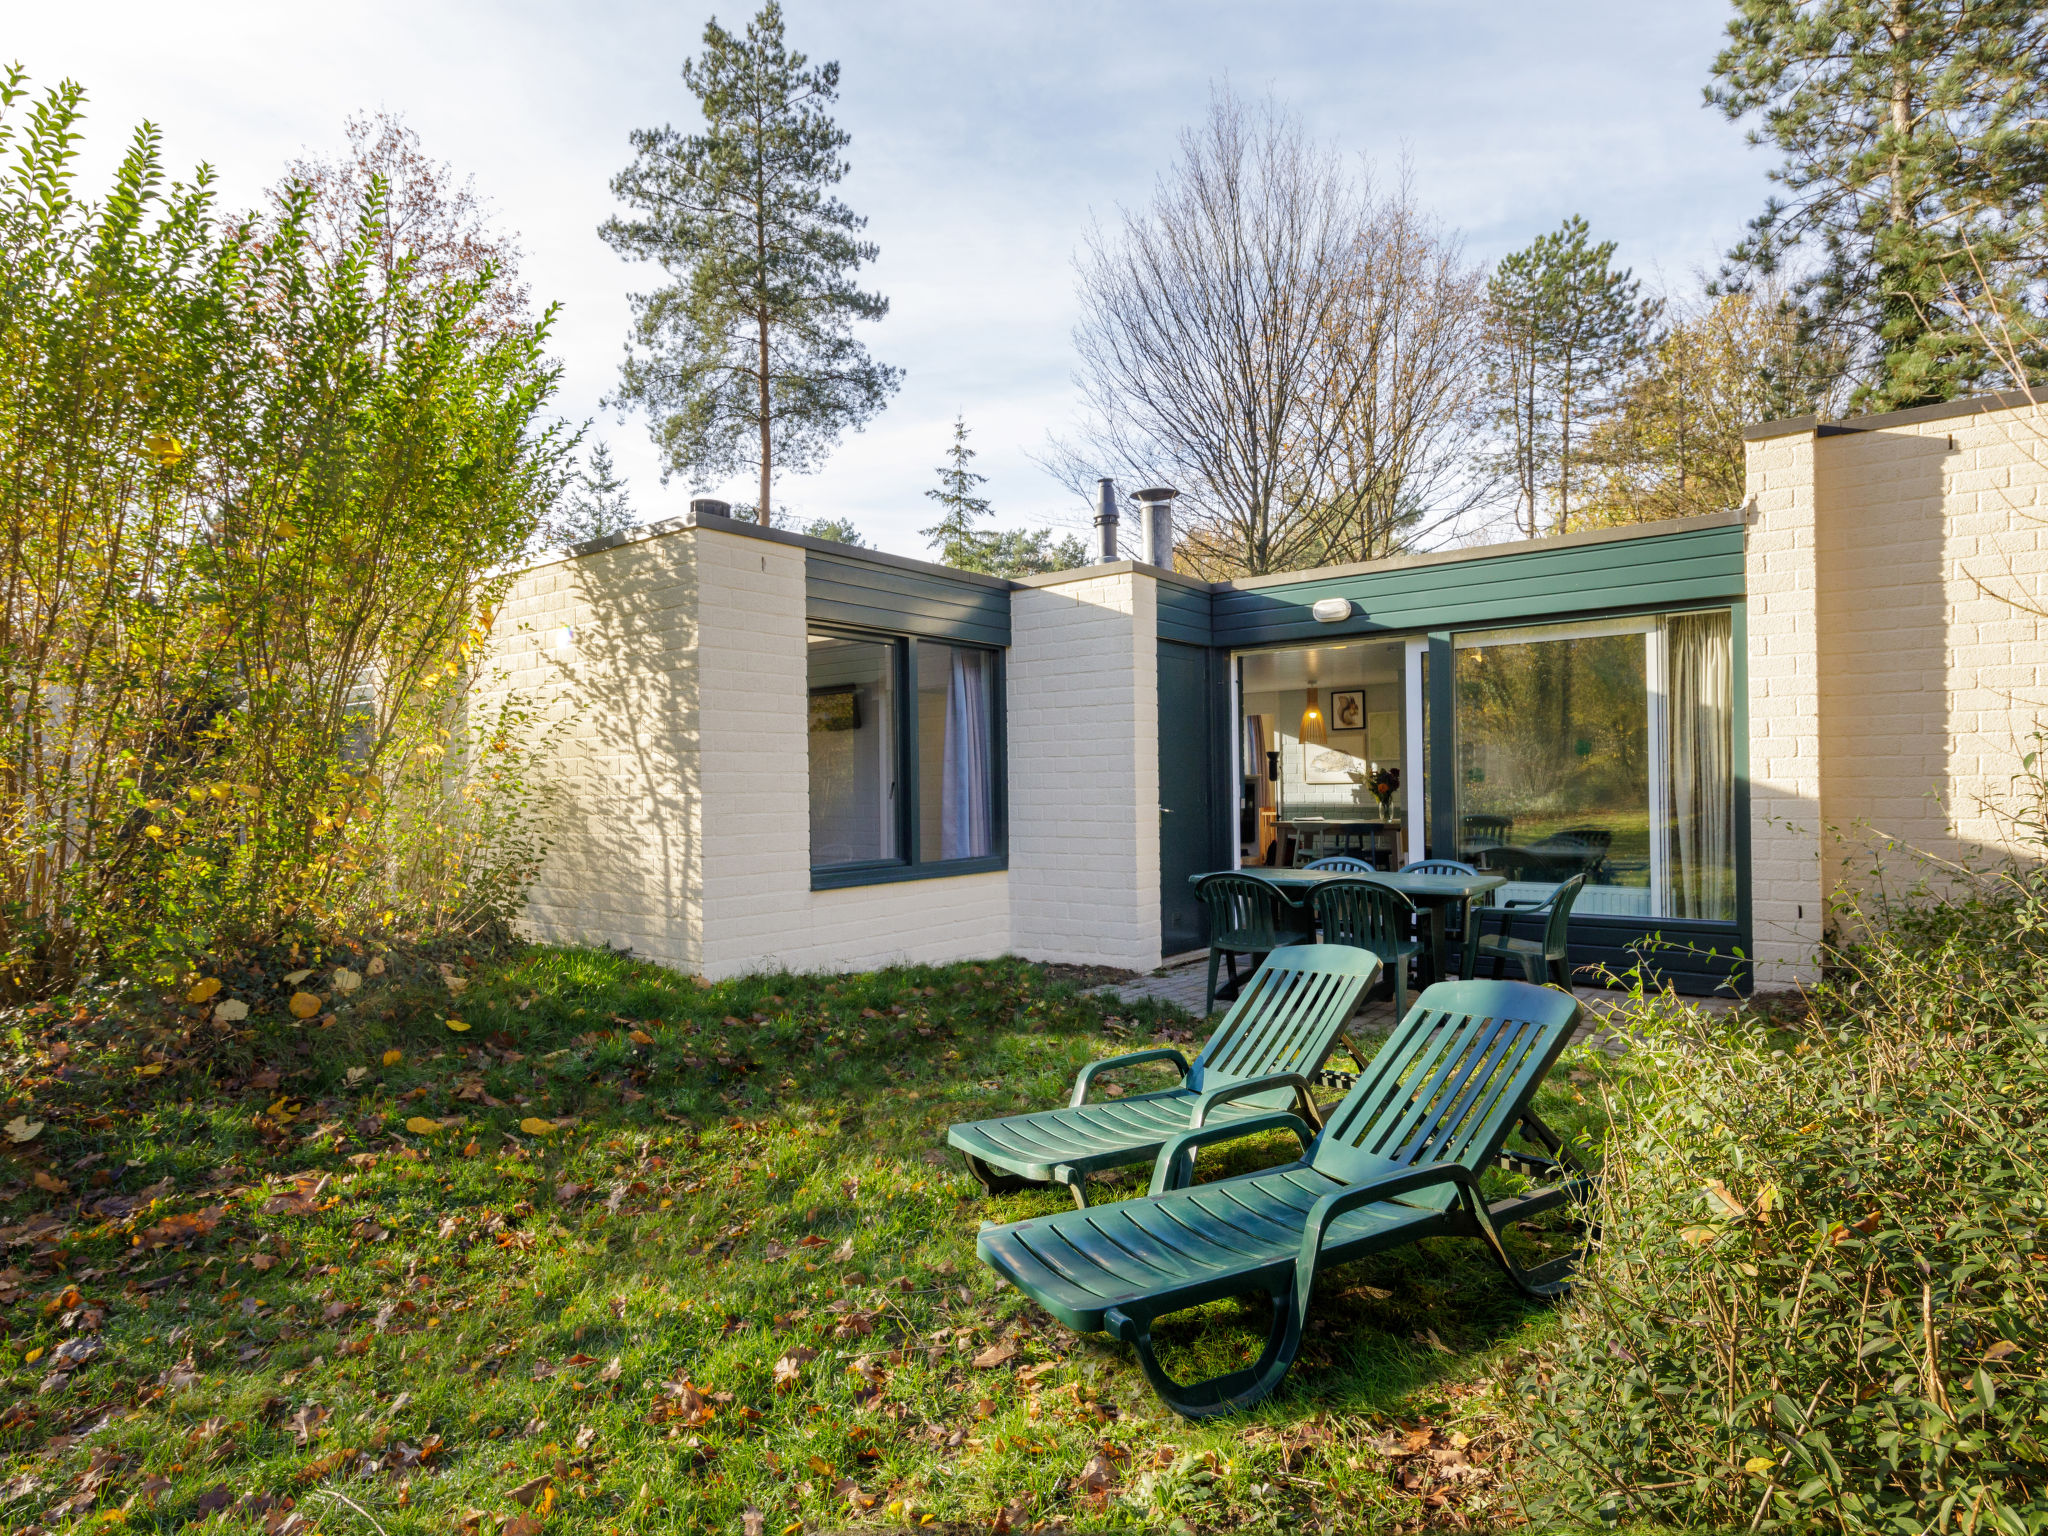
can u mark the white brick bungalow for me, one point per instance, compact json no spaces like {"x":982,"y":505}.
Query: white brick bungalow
{"x":791,"y":753}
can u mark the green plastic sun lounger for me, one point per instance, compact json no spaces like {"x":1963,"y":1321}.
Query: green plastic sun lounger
{"x":1399,"y":1159}
{"x":1272,"y":1042}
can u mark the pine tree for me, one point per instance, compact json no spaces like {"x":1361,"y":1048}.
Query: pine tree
{"x":967,"y":547}
{"x":745,"y":359}
{"x":839,"y":530}
{"x":1564,"y":326}
{"x":591,"y":506}
{"x":1916,"y":166}
{"x":956,"y":535}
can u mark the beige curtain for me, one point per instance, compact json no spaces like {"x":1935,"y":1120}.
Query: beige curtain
{"x":1700,"y":749}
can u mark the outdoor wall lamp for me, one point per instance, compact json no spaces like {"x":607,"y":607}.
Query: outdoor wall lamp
{"x":1332,"y":610}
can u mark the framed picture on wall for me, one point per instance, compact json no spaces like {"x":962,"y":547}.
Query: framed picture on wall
{"x":1341,"y":762}
{"x":1347,"y":710}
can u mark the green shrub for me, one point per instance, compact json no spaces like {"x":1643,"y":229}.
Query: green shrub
{"x":1817,"y":1298}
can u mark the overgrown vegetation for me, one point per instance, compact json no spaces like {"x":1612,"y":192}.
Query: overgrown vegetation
{"x":585,"y":1246}
{"x":256,"y":477}
{"x":1819,"y":1296}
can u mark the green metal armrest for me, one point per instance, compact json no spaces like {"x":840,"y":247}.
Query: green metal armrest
{"x":1331,"y":1206}
{"x":1166,"y":1173}
{"x":1245,"y":1088}
{"x":1094,"y":1069}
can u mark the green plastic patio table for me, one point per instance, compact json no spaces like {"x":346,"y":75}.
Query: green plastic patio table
{"x":1434,"y":894}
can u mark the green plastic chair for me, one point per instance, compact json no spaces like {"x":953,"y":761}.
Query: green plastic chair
{"x":1372,"y":917}
{"x":1452,"y":933}
{"x":1244,"y":919}
{"x":1262,"y":1057}
{"x":1540,"y":959}
{"x":1399,"y":1159}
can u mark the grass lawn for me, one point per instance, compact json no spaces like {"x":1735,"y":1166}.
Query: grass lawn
{"x":584,"y":1246}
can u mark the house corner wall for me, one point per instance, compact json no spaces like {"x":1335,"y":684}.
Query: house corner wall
{"x":602,"y":645}
{"x":1781,"y":578}
{"x":1084,"y":771}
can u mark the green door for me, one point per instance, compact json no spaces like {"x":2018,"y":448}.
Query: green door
{"x":1189,"y":826}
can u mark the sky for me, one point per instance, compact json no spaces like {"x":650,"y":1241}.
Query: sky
{"x":986,"y":137}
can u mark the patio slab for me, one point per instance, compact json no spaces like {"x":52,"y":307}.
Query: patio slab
{"x":1184,"y":982}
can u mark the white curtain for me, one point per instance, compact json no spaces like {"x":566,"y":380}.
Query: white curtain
{"x":967,"y":816}
{"x":1700,"y":749}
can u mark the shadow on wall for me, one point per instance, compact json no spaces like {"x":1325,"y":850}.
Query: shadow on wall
{"x":627,"y":861}
{"x":1917,"y":748}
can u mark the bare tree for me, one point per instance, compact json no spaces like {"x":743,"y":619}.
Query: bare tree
{"x":1205,"y":332}
{"x":1402,"y":464}
{"x":430,"y":218}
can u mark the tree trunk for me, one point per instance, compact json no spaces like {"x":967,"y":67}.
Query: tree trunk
{"x":761,"y":510}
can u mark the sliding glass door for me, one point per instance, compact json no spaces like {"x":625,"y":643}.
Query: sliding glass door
{"x":1604,"y":750}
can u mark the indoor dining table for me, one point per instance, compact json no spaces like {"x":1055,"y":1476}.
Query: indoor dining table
{"x":1433,"y":895}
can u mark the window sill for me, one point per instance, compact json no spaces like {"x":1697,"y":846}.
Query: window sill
{"x":843,"y":876}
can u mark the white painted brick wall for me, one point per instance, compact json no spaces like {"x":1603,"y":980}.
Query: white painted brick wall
{"x":1784,"y":711}
{"x":1926,"y":642}
{"x":1084,"y":771}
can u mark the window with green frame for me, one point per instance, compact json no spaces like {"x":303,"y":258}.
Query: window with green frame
{"x":906,"y":759}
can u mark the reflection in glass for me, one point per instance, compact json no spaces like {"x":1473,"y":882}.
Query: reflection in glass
{"x":853,"y":751}
{"x":1609,"y":755}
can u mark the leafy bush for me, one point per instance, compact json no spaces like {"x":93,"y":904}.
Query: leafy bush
{"x":260,"y":481}
{"x":1818,"y":1296}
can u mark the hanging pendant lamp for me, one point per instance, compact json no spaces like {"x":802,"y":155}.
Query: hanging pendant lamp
{"x":1314,"y":732}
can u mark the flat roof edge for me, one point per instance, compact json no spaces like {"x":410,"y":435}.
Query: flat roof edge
{"x":1971,"y":405}
{"x":1114,"y":568}
{"x":1621,"y":531}
{"x":690,"y":522}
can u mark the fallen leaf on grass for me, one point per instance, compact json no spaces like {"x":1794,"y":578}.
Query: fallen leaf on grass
{"x":424,"y":1125}
{"x":346,"y":980}
{"x":50,"y":1184}
{"x":995,"y":1355}
{"x":533,"y":1125}
{"x":21,"y":1129}
{"x":789,"y":1369}
{"x":454,"y":983}
{"x":304,"y":1005}
{"x":1098,"y":1476}
{"x":202,"y":990}
{"x":531,"y":1489}
{"x":753,"y":1522}
{"x":521,"y":1525}
{"x":306,"y":1421}
{"x":185,"y":1228}
{"x":231,"y":1010}
{"x":457,"y":1025}
{"x":844,"y":1252}
{"x":293,"y":978}
{"x":393,"y":1057}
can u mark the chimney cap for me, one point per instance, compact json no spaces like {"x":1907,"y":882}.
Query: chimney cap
{"x":711,"y":506}
{"x":1155,"y":493}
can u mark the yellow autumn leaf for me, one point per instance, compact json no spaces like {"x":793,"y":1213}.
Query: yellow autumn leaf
{"x":202,"y":990}
{"x":1697,"y":1236}
{"x":420,"y":1125}
{"x":293,"y":978}
{"x":457,"y":1025}
{"x":152,"y":830}
{"x":151,"y":1070}
{"x":1767,"y":1200}
{"x":346,"y":980}
{"x":1759,"y":1465}
{"x":162,"y":447}
{"x":533,"y":1125}
{"x":304,"y":1005}
{"x":32,"y":1357}
{"x":393,"y":1057}
{"x":231,"y":1010}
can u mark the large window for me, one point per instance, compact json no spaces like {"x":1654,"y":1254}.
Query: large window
{"x":1607,"y":751}
{"x":905,"y":741}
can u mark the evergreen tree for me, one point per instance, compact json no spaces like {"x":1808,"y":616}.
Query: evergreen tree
{"x":956,"y":535}
{"x":839,"y":530}
{"x":745,"y":359}
{"x":1564,"y":327}
{"x":1916,"y":161}
{"x":967,"y":547}
{"x":591,"y":505}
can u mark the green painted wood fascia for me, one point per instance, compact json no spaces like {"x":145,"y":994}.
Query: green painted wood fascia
{"x":1687,"y":567}
{"x":933,"y":605}
{"x":1184,"y":613}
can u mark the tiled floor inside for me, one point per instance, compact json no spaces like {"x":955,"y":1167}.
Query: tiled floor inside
{"x":1184,"y":980}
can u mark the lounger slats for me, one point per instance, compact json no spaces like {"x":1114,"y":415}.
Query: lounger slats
{"x":1451,"y":1083}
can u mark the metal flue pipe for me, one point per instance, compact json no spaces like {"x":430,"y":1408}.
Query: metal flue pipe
{"x":1155,"y":506}
{"x":1105,"y":521}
